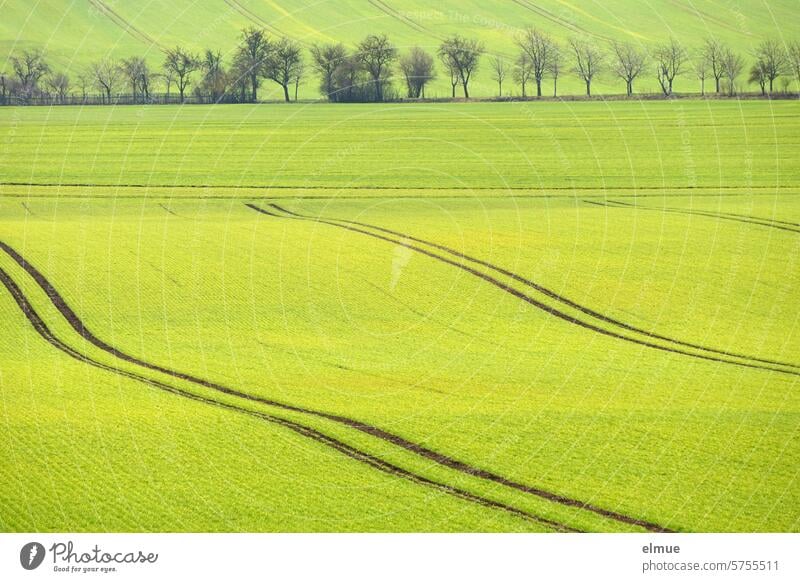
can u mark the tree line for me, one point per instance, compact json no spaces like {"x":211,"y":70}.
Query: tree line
{"x":368,"y":71}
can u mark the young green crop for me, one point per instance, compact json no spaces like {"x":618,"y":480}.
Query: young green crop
{"x":164,"y":260}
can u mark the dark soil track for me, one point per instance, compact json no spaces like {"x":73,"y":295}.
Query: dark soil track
{"x":528,"y":299}
{"x":754,"y":220}
{"x":548,"y":292}
{"x":75,"y":322}
{"x":309,"y":432}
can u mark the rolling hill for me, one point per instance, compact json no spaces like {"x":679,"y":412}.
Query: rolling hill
{"x":76,"y":32}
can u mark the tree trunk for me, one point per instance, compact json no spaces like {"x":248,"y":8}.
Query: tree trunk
{"x":466,"y":91}
{"x":702,"y":87}
{"x":717,"y":80}
{"x":454,"y":91}
{"x":770,"y":85}
{"x":378,"y":90}
{"x":286,"y":92}
{"x":254,"y":84}
{"x":523,"y":90}
{"x":588,"y":88}
{"x":538,"y":87}
{"x":555,"y":86}
{"x":500,"y":88}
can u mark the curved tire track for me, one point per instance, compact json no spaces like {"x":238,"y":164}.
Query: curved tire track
{"x":528,"y":299}
{"x":309,"y":432}
{"x":548,"y":292}
{"x":75,"y":322}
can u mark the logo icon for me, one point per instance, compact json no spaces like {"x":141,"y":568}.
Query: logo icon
{"x":31,"y":555}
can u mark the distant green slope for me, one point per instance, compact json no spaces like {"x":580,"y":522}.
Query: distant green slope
{"x":78,"y":31}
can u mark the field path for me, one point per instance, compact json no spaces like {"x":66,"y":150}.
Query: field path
{"x":749,"y":362}
{"x":77,"y":324}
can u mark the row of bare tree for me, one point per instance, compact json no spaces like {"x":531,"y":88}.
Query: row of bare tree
{"x":366,"y":72}
{"x":541,"y":57}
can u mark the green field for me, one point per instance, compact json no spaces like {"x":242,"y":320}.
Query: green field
{"x":77,"y":32}
{"x":463,"y":317}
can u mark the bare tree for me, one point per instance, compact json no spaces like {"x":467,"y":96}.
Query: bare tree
{"x":168,"y":77}
{"x":214,"y":83}
{"x":376,"y":54}
{"x":758,"y":74}
{"x":282,"y":64}
{"x":106,"y":74}
{"x":628,"y":63}
{"x":773,"y":60}
{"x":712,"y":54}
{"x":461,"y":57}
{"x":182,"y":64}
{"x":58,"y":83}
{"x":84,"y":82}
{"x":588,"y":61}
{"x":539,"y":47}
{"x":29,"y":68}
{"x":499,"y":72}
{"x":522,"y":71}
{"x":670,"y":58}
{"x":452,"y":72}
{"x":349,"y":80}
{"x":137,"y":74}
{"x":793,"y":55}
{"x":251,"y":58}
{"x":701,"y":69}
{"x":299,"y":74}
{"x":3,"y":87}
{"x":327,"y":58}
{"x":145,"y":79}
{"x":417,"y":68}
{"x":733,"y":65}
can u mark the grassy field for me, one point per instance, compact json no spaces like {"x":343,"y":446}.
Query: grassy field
{"x":76,"y":32}
{"x":433,"y":318}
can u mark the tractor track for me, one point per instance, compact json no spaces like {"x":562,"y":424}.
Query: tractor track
{"x":110,"y":13}
{"x":766,"y":222}
{"x":793,"y":189}
{"x":420,"y":450}
{"x":309,"y":432}
{"x":528,"y":299}
{"x":550,"y":293}
{"x":394,"y":14}
{"x":256,"y":19}
{"x":555,"y":19}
